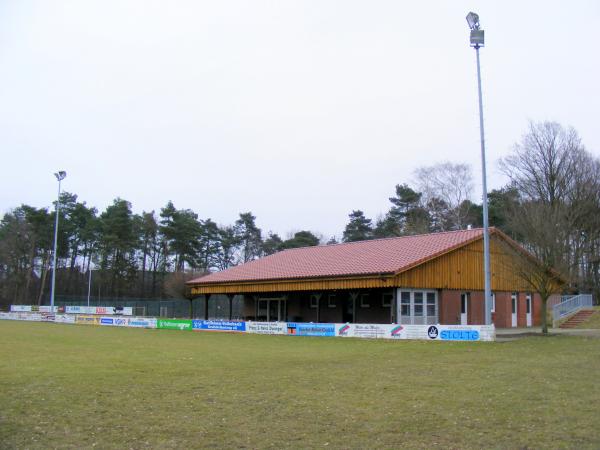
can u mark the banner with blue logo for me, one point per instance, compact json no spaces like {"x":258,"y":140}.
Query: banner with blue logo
{"x":459,"y":335}
{"x":218,"y":325}
{"x":311,"y":329}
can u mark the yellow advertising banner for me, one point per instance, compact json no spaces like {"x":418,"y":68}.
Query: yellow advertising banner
{"x":87,"y":320}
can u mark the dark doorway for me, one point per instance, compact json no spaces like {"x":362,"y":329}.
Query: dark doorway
{"x":348,"y":311}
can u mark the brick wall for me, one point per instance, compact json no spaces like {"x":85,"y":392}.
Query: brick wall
{"x":449,"y":306}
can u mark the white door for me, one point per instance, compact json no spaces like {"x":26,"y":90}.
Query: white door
{"x":417,"y":307}
{"x":529,"y":321}
{"x":464,"y":309}
{"x":513,"y":301}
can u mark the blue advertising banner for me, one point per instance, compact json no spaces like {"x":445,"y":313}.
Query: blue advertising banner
{"x":218,"y":325}
{"x":459,"y":335}
{"x":311,"y":329}
{"x":106,"y":321}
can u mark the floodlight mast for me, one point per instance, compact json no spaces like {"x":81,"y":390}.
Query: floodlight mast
{"x":477,"y":41}
{"x":59,"y":176}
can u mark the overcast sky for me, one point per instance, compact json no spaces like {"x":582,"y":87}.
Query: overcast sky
{"x":299,"y":111}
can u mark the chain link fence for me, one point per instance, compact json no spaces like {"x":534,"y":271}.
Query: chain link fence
{"x":218,"y":306}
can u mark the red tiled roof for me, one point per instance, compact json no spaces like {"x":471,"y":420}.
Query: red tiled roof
{"x":378,"y":256}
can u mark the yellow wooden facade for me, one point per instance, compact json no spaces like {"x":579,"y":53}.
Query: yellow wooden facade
{"x":461,"y":268}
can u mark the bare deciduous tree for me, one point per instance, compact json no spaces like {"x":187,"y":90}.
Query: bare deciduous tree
{"x":557,"y":214}
{"x":542,"y":164}
{"x":450,"y":184}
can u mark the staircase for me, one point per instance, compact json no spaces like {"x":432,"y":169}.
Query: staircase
{"x":576,"y":319}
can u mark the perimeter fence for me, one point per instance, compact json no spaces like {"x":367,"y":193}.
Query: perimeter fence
{"x":218,"y":306}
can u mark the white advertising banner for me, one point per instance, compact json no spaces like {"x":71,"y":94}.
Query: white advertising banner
{"x":64,"y":318}
{"x":370,"y":330}
{"x":114,"y":321}
{"x":33,"y":308}
{"x":142,"y":322}
{"x":424,"y":332}
{"x":266,"y":327}
{"x":99,"y":310}
{"x":9,"y":316}
{"x":33,"y":317}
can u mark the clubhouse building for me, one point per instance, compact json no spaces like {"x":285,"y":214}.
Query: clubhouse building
{"x":426,"y":279}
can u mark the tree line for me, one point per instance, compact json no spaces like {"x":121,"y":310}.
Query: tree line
{"x":551,"y":205}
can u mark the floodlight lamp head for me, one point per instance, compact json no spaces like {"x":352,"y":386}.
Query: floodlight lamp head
{"x":60,"y":175}
{"x":473,"y":20}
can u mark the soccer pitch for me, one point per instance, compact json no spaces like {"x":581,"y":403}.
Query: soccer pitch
{"x":67,"y":386}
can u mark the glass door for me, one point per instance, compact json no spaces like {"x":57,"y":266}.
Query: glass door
{"x":513,"y":301}
{"x":271,"y":310}
{"x":417,"y":307}
{"x":464,"y":309}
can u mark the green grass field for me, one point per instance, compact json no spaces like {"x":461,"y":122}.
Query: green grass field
{"x":67,"y":386}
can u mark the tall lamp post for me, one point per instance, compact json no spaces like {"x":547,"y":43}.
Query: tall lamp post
{"x":477,"y":41}
{"x":59,"y":176}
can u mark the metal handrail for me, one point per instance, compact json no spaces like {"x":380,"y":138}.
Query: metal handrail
{"x":570,"y":305}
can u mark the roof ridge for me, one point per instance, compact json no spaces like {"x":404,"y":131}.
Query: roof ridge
{"x":337,"y":244}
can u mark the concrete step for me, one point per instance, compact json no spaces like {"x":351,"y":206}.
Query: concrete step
{"x":577,"y":319}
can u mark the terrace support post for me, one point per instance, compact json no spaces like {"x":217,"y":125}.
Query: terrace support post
{"x":206,"y":297}
{"x":393,"y":307}
{"x":283,"y":317}
{"x":256,"y":298}
{"x":318,"y":297}
{"x":354,"y":296}
{"x":230,"y":298}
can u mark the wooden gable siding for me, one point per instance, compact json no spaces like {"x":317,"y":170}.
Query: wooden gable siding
{"x":463,"y":269}
{"x":459,"y":269}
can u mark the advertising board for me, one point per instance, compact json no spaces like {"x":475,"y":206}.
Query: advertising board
{"x":311,"y":329}
{"x":64,"y":318}
{"x":174,"y":324}
{"x":33,"y":308}
{"x":32,"y":317}
{"x":100,"y":310}
{"x":219,"y":325}
{"x":454,"y":333}
{"x":266,"y":327}
{"x":9,"y":316}
{"x":85,"y":319}
{"x":370,"y":330}
{"x":114,"y":321}
{"x":142,"y":322}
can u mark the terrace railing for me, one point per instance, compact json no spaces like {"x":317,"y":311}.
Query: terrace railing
{"x":570,"y":305}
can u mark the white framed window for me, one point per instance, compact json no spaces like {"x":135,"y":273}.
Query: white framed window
{"x":431,"y":306}
{"x":364,"y":301}
{"x":493,"y":302}
{"x":405,"y":297}
{"x":331,"y":303}
{"x":314,"y":301}
{"x":386,"y":300}
{"x":417,"y":307}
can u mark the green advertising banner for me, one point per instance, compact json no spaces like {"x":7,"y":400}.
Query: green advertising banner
{"x":174,"y":324}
